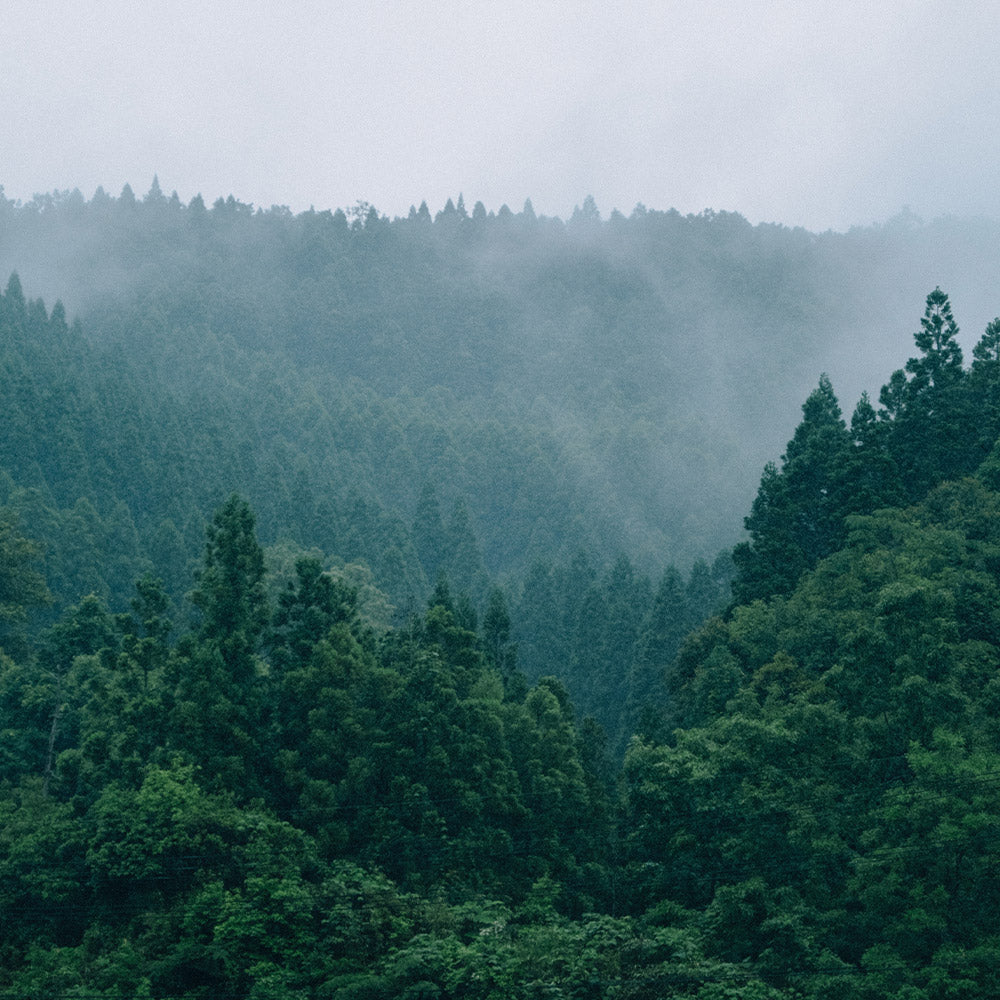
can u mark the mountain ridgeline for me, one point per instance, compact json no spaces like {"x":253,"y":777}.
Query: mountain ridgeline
{"x":344,"y":651}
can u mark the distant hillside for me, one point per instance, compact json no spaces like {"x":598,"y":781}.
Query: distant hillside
{"x":632,"y":374}
{"x":577,"y":411}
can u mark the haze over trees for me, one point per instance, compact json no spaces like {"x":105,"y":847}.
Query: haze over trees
{"x":376,"y":622}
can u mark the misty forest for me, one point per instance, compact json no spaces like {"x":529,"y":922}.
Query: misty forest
{"x":485,"y":605}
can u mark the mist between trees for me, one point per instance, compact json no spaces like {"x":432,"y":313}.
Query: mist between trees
{"x":373,"y":625}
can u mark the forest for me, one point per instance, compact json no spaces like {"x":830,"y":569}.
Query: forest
{"x":376,"y":619}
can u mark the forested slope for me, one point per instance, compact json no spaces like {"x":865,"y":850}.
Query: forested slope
{"x":114,"y":472}
{"x":607,"y":384}
{"x":271,"y":797}
{"x":574,"y":411}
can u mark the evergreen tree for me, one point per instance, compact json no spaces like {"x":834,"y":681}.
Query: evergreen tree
{"x":932,"y":426}
{"x":429,"y":537}
{"x":667,"y":623}
{"x":937,"y":338}
{"x":871,"y":477}
{"x":230,"y":589}
{"x":500,"y":651}
{"x":798,"y":514}
{"x":22,"y":585}
{"x":464,"y":562}
{"x":217,"y":703}
{"x":984,"y":387}
{"x":307,"y":609}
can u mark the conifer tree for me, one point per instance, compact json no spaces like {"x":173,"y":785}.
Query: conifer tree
{"x":932,"y":424}
{"x":428,"y":532}
{"x":217,"y":711}
{"x":871,"y":477}
{"x":797,"y":517}
{"x":500,"y":651}
{"x":230,"y":588}
{"x":984,"y":387}
{"x":22,"y":586}
{"x":464,"y":564}
{"x":937,"y":338}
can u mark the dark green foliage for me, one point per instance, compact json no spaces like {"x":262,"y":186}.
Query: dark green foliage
{"x":22,"y":586}
{"x":499,"y":648}
{"x":937,"y":422}
{"x":611,"y":638}
{"x":290,"y":798}
{"x":670,"y":618}
{"x":230,"y":586}
{"x":177,"y":816}
{"x":984,"y":390}
{"x":820,"y":815}
{"x":798,"y":515}
{"x":928,"y":405}
{"x":307,"y":609}
{"x":217,"y":686}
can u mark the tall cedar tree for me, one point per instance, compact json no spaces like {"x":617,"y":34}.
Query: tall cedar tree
{"x":932,"y":423}
{"x":218,"y":699}
{"x":797,"y":517}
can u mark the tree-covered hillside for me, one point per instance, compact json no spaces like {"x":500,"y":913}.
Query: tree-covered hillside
{"x":573,"y":411}
{"x":114,"y":472}
{"x":612,"y":385}
{"x":269,"y":792}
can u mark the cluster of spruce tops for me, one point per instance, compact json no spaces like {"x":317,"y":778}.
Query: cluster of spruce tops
{"x":827,"y":801}
{"x":937,"y":421}
{"x":282,"y":802}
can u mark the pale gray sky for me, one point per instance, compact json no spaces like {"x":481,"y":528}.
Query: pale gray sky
{"x":822,"y":114}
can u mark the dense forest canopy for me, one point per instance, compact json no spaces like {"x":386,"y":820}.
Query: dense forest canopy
{"x":363,"y":631}
{"x":629,"y":376}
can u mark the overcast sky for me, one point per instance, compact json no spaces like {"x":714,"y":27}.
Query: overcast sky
{"x":819,"y":114}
